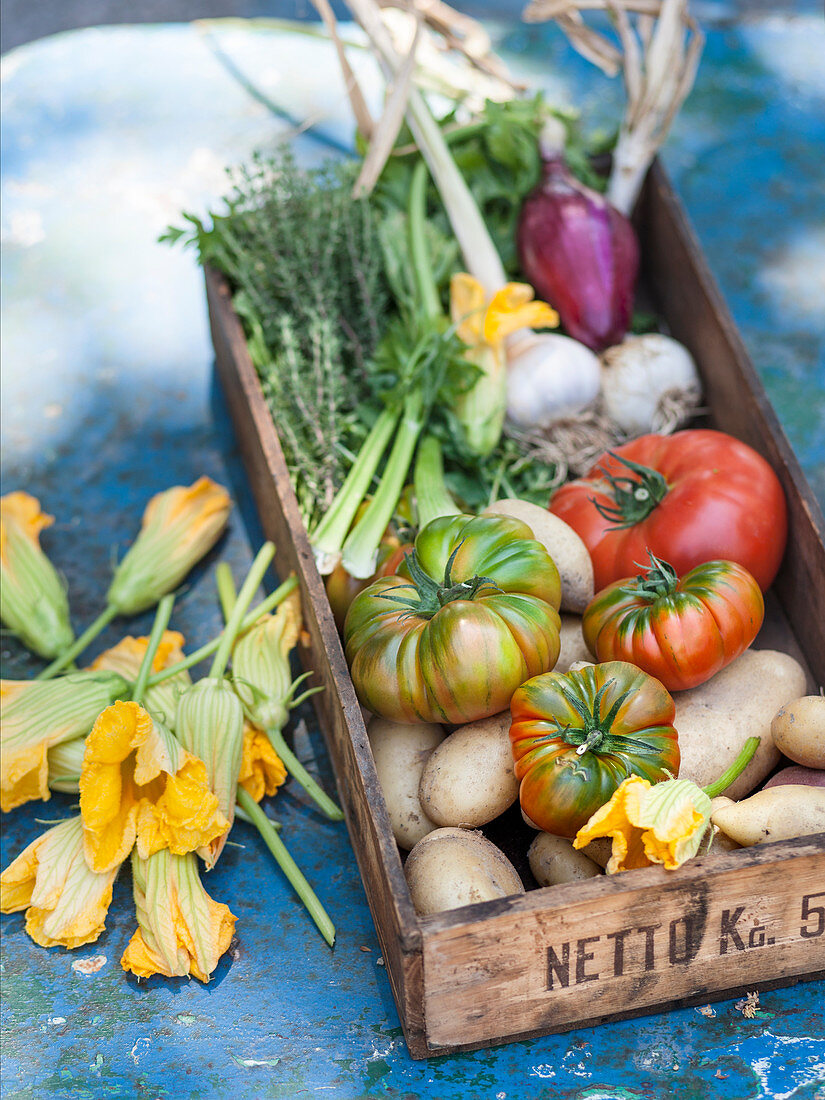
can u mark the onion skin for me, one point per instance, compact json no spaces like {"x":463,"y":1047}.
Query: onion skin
{"x":580,"y":254}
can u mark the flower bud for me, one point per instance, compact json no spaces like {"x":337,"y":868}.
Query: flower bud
{"x":210,"y":723}
{"x":65,"y":902}
{"x":39,"y":714}
{"x":33,"y":603}
{"x":261,"y":668}
{"x":179,"y":527}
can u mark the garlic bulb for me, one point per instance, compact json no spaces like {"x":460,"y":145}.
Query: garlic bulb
{"x":649,"y":383}
{"x":549,"y":376}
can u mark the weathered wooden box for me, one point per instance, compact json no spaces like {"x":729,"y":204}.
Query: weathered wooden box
{"x":578,"y":954}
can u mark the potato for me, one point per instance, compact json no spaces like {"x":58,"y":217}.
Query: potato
{"x":454,"y":867}
{"x":400,"y":752}
{"x":553,"y":860}
{"x":469,"y":779}
{"x":798,"y":731}
{"x":573,"y":646}
{"x":775,"y":814}
{"x":806,"y":777}
{"x":715,"y":719}
{"x":721,"y":842}
{"x":564,"y":546}
{"x":599,"y":850}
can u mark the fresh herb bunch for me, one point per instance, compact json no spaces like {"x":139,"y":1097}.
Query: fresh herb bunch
{"x":306,"y":265}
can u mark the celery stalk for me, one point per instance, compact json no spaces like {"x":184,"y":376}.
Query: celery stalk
{"x":432,"y":497}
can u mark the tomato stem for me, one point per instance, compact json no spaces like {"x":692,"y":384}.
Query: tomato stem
{"x":635,"y":497}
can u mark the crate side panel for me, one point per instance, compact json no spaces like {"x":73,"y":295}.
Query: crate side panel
{"x":341,"y":719}
{"x":540,"y":966}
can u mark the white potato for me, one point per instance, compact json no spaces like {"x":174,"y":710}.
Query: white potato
{"x":720,"y":842}
{"x":564,"y":546}
{"x":715,"y":719}
{"x":553,"y":860}
{"x":453,"y":867}
{"x":778,"y":813}
{"x":400,"y":752}
{"x":468,"y":778}
{"x":798,"y":731}
{"x":573,"y":647}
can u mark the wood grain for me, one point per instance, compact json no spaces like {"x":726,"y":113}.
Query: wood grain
{"x":482,"y":975}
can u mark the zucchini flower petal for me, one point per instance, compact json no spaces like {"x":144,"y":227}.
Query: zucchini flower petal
{"x":65,"y":765}
{"x":181,"y":929}
{"x":139,"y":784}
{"x":262,"y":771}
{"x":39,"y":714}
{"x":260,"y":664}
{"x":663,"y":823}
{"x":210,"y":723}
{"x":33,"y":602}
{"x":66,"y":903}
{"x":483,"y":327}
{"x":161,"y":699}
{"x":179,"y":527}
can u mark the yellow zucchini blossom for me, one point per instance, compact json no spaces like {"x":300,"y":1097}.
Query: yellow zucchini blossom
{"x":179,"y":527}
{"x":161,"y":699}
{"x":483,"y":326}
{"x":66,"y":903}
{"x":210,"y":724}
{"x":262,"y":771}
{"x":139,"y":785}
{"x":660,"y":823}
{"x":260,"y":664}
{"x":181,"y":930}
{"x":33,"y":603}
{"x":36,"y":715}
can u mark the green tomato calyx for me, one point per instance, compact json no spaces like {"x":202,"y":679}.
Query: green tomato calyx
{"x":594,"y":732}
{"x":430,"y":596}
{"x":656,"y":582}
{"x":635,"y":497}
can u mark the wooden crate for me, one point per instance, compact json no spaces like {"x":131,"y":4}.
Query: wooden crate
{"x":578,"y":954}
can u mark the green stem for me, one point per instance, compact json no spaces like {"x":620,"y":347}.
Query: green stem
{"x":299,"y":773}
{"x":242,"y":815}
{"x":329,"y":535}
{"x":79,"y":644}
{"x":735,"y":770}
{"x":162,"y":617}
{"x":432,"y":497}
{"x":288,"y":865}
{"x":233,"y":626}
{"x":269,"y":604}
{"x":360,"y":551}
{"x":226,"y":588}
{"x":419,"y":255}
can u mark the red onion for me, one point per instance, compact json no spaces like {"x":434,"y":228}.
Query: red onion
{"x":580,"y":254}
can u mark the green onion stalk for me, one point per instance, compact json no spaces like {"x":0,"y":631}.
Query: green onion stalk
{"x":358,"y":549}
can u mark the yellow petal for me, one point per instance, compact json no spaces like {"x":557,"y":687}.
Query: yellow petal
{"x":23,"y":511}
{"x":262,"y":770}
{"x":467,"y":303}
{"x":126,"y":657}
{"x":39,"y":714}
{"x":616,"y":819}
{"x":512,"y":308}
{"x":181,"y":929}
{"x":139,"y":783}
{"x":66,"y":902}
{"x":675,"y":816}
{"x":179,"y":526}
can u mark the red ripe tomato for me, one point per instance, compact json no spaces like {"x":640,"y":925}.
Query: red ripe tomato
{"x":692,"y":497}
{"x":680,"y":631}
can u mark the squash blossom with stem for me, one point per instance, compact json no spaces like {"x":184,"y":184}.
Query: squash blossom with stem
{"x":663,"y":822}
{"x":139,"y":785}
{"x":39,"y":715}
{"x":181,"y":930}
{"x":263,"y":681}
{"x":179,"y":527}
{"x":65,"y":901}
{"x":161,"y":700}
{"x":33,"y":601}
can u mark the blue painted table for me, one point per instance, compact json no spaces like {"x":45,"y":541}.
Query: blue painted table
{"x":109,"y":397}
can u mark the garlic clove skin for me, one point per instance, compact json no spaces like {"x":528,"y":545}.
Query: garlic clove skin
{"x":638,"y":373}
{"x":549,"y":376}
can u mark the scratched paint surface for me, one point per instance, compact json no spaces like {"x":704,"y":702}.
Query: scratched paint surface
{"x":108,"y":397}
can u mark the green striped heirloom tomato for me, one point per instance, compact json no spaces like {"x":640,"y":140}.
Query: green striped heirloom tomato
{"x":680,"y":631}
{"x":577,"y":736}
{"x":473,"y":614}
